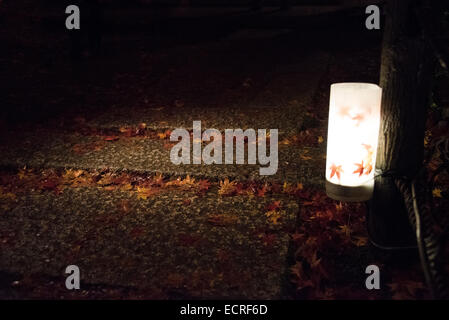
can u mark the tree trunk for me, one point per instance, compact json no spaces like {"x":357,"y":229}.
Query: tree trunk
{"x":406,"y":74}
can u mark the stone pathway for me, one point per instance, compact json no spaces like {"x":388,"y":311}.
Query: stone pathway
{"x":213,"y":247}
{"x":205,"y":246}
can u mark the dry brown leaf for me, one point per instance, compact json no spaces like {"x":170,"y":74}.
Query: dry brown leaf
{"x":227,"y":187}
{"x":145,"y":192}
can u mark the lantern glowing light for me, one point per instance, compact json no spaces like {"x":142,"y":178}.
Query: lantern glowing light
{"x":354,"y":119}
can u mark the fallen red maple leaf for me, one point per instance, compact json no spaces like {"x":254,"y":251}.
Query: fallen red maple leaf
{"x":111,"y":138}
{"x":51,"y":185}
{"x":203,"y":186}
{"x":274,"y":206}
{"x":261,"y":192}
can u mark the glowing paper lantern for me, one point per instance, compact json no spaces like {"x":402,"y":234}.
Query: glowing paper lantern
{"x":354,"y":119}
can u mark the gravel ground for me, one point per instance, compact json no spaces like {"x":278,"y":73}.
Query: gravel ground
{"x":214,"y":247}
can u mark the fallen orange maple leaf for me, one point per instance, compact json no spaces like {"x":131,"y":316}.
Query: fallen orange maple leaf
{"x":111,"y":138}
{"x":273,"y":216}
{"x":227,"y":187}
{"x":158,"y":179}
{"x":143,"y":192}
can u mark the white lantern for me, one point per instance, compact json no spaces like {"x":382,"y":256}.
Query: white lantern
{"x":354,"y":119}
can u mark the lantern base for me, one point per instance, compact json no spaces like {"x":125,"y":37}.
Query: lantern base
{"x":349,"y":194}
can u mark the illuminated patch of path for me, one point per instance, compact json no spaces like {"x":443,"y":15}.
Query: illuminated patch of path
{"x":174,"y":241}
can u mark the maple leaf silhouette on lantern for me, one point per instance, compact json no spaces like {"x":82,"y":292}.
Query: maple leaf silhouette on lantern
{"x":336,"y":170}
{"x":368,"y":169}
{"x":359,"y":169}
{"x":349,"y":113}
{"x":358,"y":118}
{"x":344,"y":112}
{"x":369,"y":150}
{"x":368,"y":159}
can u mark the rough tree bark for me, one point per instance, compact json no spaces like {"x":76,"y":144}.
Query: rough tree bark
{"x":406,"y":74}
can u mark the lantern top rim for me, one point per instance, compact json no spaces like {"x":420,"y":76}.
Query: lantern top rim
{"x":360,"y":85}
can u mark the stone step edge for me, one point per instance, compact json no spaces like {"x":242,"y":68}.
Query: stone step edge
{"x":166,"y":174}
